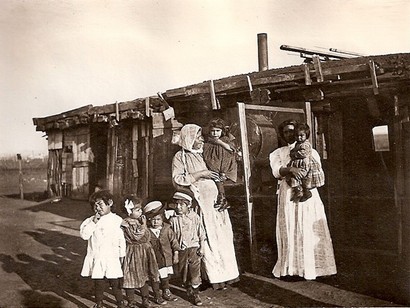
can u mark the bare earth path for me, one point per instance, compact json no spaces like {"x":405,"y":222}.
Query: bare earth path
{"x":41,"y":255}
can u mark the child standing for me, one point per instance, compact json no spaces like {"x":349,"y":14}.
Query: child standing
{"x":106,"y":247}
{"x":164,"y":243}
{"x":301,"y":157}
{"x":219,"y":155}
{"x":140,"y":265}
{"x":191,"y":236}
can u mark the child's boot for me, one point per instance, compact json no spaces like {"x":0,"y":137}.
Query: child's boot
{"x":190,"y":293}
{"x":168,"y":296}
{"x":146,"y":303}
{"x":218,"y":202}
{"x":224,"y":205}
{"x":132,"y":298}
{"x":196,"y":299}
{"x":121,"y":304}
{"x":157,"y":294}
{"x":297,"y":193}
{"x":160,"y":301}
{"x":307,"y":194}
{"x":133,"y":304}
{"x":98,"y":305}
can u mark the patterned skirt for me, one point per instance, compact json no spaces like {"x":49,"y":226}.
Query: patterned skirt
{"x":139,"y":266}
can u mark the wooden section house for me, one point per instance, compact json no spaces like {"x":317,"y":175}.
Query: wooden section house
{"x":109,"y":146}
{"x":358,"y":111}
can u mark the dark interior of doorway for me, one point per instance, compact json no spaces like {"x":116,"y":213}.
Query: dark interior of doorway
{"x":98,"y":141}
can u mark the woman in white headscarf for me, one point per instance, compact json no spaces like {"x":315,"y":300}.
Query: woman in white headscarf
{"x":189,"y":170}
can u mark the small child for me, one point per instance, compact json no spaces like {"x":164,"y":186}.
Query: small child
{"x":106,"y":247}
{"x":191,"y":236}
{"x":140,"y":265}
{"x":301,"y":157}
{"x":165,"y":245}
{"x":219,"y":155}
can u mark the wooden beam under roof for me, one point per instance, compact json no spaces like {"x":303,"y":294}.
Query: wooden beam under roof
{"x":66,"y":114}
{"x":273,"y":77}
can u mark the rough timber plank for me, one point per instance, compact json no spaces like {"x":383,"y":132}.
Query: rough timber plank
{"x":73,"y":112}
{"x":294,"y":73}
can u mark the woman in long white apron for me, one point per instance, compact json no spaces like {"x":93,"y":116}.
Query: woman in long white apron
{"x":189,"y":170}
{"x":304,"y":244}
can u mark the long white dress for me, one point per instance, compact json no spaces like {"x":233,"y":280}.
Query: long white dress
{"x":219,"y":253}
{"x":304,"y":244}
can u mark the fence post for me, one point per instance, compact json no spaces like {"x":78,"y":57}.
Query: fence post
{"x":20,"y":177}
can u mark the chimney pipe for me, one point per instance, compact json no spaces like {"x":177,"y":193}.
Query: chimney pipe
{"x":263,"y":52}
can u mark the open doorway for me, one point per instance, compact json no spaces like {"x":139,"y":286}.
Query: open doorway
{"x":98,"y":170}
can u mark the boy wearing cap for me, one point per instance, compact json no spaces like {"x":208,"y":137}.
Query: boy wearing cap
{"x":165,"y":246}
{"x":190,"y":234}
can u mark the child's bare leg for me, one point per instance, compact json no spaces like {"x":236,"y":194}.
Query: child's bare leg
{"x":221,"y":194}
{"x":221,"y":202}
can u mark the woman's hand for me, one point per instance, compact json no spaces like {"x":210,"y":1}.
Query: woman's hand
{"x":201,"y":251}
{"x":292,"y":171}
{"x":296,"y":172}
{"x":207,"y":174}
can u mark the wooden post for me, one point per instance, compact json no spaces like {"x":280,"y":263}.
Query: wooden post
{"x":318,"y":68}
{"x":214,"y":100}
{"x":247,"y":175}
{"x":308,"y":79}
{"x":111,"y":158}
{"x":399,"y":187}
{"x":373,"y":75}
{"x":20,"y":177}
{"x":309,"y":118}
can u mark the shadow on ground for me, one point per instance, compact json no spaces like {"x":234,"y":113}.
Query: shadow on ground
{"x":59,"y":272}
{"x":56,"y":273}
{"x":32,"y":196}
{"x":271,"y":294}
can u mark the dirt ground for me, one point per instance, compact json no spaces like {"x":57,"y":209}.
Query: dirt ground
{"x":41,"y":256}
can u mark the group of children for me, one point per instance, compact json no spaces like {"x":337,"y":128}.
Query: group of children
{"x":142,"y":249}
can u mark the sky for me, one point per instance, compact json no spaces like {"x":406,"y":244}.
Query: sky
{"x":60,"y":55}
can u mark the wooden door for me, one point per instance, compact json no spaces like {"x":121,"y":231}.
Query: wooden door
{"x":83,"y":157}
{"x":259,"y":138}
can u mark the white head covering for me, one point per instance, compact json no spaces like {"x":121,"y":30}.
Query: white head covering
{"x":182,"y":196}
{"x":152,"y":206}
{"x":188,"y":135}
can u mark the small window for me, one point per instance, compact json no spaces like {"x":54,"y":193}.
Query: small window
{"x":381,"y":138}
